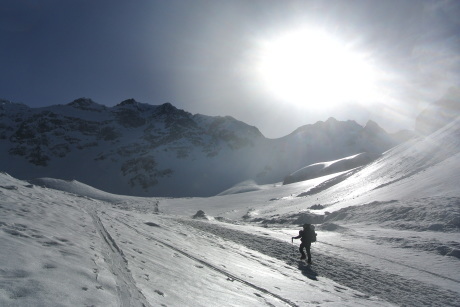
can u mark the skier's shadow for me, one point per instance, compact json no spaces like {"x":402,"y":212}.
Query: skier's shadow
{"x":307,"y":270}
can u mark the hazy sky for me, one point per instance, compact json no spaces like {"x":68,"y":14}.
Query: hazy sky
{"x":276,"y":65}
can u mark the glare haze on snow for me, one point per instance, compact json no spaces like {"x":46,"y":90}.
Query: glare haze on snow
{"x":387,"y":235}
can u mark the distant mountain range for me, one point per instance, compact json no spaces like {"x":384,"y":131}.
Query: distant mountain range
{"x":139,"y":149}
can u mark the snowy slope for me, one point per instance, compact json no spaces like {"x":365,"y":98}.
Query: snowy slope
{"x":330,"y":167}
{"x":399,"y":216}
{"x":61,"y":249}
{"x":422,"y":167}
{"x":387,"y":234}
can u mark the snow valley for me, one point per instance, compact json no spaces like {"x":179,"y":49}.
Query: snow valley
{"x":388,"y":231}
{"x":144,"y":150}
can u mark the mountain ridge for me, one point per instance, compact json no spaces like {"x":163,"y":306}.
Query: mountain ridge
{"x":140,"y":149}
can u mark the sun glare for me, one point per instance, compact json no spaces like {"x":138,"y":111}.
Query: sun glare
{"x":312,"y":68}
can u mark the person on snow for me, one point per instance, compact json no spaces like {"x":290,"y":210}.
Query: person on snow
{"x":306,"y":236}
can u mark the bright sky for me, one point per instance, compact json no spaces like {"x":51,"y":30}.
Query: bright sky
{"x":276,"y":65}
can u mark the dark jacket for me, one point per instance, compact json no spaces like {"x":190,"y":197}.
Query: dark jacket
{"x":305,"y":235}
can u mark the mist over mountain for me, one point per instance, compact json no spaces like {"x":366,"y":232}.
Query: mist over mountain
{"x":387,"y":234}
{"x":439,"y":113}
{"x":139,"y":149}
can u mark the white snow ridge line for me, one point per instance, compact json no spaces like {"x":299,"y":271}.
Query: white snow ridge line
{"x":128,"y":293}
{"x":212,"y":267}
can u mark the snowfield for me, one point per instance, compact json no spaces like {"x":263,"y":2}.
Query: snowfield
{"x":388,"y":235}
{"x":65,"y":249}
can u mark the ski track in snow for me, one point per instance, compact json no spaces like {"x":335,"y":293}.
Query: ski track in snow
{"x":128,"y":293}
{"x":401,"y":264}
{"x":390,"y":287}
{"x":209,"y":265}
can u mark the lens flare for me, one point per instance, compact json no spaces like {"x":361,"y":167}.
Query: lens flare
{"x":313,"y":68}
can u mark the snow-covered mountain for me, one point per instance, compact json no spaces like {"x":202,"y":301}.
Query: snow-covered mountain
{"x":330,"y":167}
{"x":388,"y":234}
{"x":140,"y":149}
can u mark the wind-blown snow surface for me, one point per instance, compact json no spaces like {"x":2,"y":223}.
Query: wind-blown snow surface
{"x":64,"y":249}
{"x":389,"y":234}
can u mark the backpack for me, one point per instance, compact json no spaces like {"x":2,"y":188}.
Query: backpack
{"x":312,"y":236}
{"x":309,"y":235}
{"x":312,"y":233}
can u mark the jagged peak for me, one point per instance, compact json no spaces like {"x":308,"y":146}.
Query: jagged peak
{"x":133,"y":105}
{"x":167,"y":108}
{"x":127,"y":102}
{"x":330,"y":124}
{"x":86,"y":104}
{"x":83,"y":101}
{"x":373,"y":126}
{"x":331,"y":120}
{"x":320,"y":123}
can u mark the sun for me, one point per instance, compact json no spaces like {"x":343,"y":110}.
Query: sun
{"x":313,"y":68}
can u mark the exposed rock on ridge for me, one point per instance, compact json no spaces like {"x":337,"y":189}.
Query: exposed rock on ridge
{"x":135,"y":148}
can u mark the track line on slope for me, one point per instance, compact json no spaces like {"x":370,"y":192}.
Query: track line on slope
{"x":212,"y":267}
{"x":388,"y":286}
{"x":392,"y":262}
{"x":128,"y":292}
